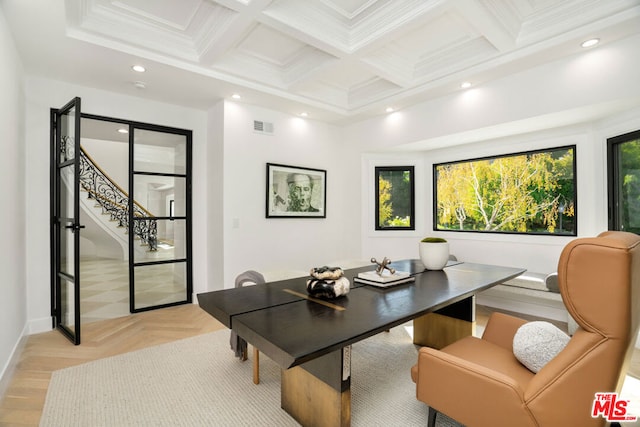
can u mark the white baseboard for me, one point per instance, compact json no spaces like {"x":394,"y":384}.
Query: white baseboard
{"x":39,"y":325}
{"x":7,"y":371}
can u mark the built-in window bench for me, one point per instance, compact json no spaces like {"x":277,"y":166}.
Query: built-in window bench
{"x":530,"y":293}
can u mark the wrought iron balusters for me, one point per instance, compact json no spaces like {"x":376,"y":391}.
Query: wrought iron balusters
{"x":114,"y":201}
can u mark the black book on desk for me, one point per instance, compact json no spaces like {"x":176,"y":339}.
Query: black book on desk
{"x":385,"y":280}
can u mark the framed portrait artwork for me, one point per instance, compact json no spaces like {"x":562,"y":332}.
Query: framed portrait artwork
{"x":296,"y":192}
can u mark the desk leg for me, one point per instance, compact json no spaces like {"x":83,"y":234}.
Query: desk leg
{"x":446,"y":325}
{"x":318,"y":393}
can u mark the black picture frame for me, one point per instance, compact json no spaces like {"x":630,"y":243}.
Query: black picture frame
{"x":295,"y":192}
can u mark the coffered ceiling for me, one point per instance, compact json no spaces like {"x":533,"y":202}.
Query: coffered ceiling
{"x":338,"y":60}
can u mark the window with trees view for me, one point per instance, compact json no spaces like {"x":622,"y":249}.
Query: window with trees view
{"x":624,"y":182}
{"x":395,"y":198}
{"x":532,"y":193}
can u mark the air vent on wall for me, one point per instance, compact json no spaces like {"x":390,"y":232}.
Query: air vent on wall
{"x":264,"y":128}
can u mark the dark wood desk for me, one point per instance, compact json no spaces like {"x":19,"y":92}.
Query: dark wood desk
{"x":311,"y":339}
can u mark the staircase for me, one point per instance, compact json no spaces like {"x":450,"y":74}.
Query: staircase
{"x":106,"y":199}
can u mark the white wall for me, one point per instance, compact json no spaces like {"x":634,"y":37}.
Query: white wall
{"x":581,"y":100}
{"x":112,"y":157}
{"x":13,"y":312}
{"x":43,"y":94}
{"x":214,"y":196}
{"x":252,"y":241}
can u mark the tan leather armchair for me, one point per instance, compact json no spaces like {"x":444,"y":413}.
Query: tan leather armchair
{"x":479,"y":382}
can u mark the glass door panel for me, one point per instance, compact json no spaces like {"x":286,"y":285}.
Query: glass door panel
{"x":65,"y":221}
{"x":171,"y":242}
{"x":68,"y":319}
{"x":159,"y":152}
{"x":66,"y":256}
{"x":161,"y":221}
{"x":160,"y":284}
{"x":161,"y":195}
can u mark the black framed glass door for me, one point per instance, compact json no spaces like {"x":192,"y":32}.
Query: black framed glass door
{"x":137,"y":214}
{"x":65,"y":220}
{"x":160,"y":180}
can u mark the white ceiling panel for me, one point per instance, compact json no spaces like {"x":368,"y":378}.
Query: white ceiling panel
{"x":340,"y":59}
{"x":269,"y":45}
{"x":167,"y":12}
{"x":349,"y":8}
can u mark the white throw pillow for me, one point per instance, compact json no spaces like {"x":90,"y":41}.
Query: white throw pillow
{"x":536,"y":343}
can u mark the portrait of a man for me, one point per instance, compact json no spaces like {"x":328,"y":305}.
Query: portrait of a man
{"x":300,"y":188}
{"x":295,"y":192}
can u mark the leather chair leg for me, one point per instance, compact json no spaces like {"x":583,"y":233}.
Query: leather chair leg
{"x":256,"y":366}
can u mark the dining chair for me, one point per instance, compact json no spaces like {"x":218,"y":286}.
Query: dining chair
{"x":238,"y":344}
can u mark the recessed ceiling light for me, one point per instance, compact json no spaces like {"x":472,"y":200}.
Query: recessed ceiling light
{"x":465,"y":85}
{"x":590,"y":42}
{"x":138,"y":68}
{"x":123,"y":130}
{"x":304,"y":114}
{"x":389,"y":110}
{"x":236,"y":96}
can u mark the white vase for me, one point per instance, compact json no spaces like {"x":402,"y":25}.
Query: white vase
{"x":434,"y":256}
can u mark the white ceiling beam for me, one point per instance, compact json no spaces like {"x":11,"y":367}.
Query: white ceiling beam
{"x":487,"y":24}
{"x":234,"y":30}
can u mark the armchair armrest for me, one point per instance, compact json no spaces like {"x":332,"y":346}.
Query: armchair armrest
{"x":501,"y":328}
{"x":469,"y":393}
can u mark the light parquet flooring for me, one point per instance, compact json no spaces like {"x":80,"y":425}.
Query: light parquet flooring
{"x":47,"y":352}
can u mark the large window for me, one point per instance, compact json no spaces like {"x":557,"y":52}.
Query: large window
{"x":532,"y":192}
{"x":395,"y":196}
{"x":624,"y":182}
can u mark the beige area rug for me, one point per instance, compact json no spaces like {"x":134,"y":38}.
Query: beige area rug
{"x":198,"y":382}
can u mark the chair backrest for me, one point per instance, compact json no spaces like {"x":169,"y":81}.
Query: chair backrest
{"x":599,"y":279}
{"x":249,"y":277}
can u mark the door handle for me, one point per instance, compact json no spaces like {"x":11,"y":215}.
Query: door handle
{"x":74,"y":227}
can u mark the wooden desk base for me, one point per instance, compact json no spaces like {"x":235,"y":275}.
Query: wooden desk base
{"x":445,"y":326}
{"x":318,"y":393}
{"x":437,"y":330}
{"x":312,"y":402}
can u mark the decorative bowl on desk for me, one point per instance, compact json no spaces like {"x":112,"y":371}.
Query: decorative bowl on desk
{"x":434,"y":252}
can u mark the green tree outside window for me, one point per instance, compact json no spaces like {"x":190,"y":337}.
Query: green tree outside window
{"x":395,"y":198}
{"x":523,"y":193}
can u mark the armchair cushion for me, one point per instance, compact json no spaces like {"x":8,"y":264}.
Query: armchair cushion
{"x":536,"y":343}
